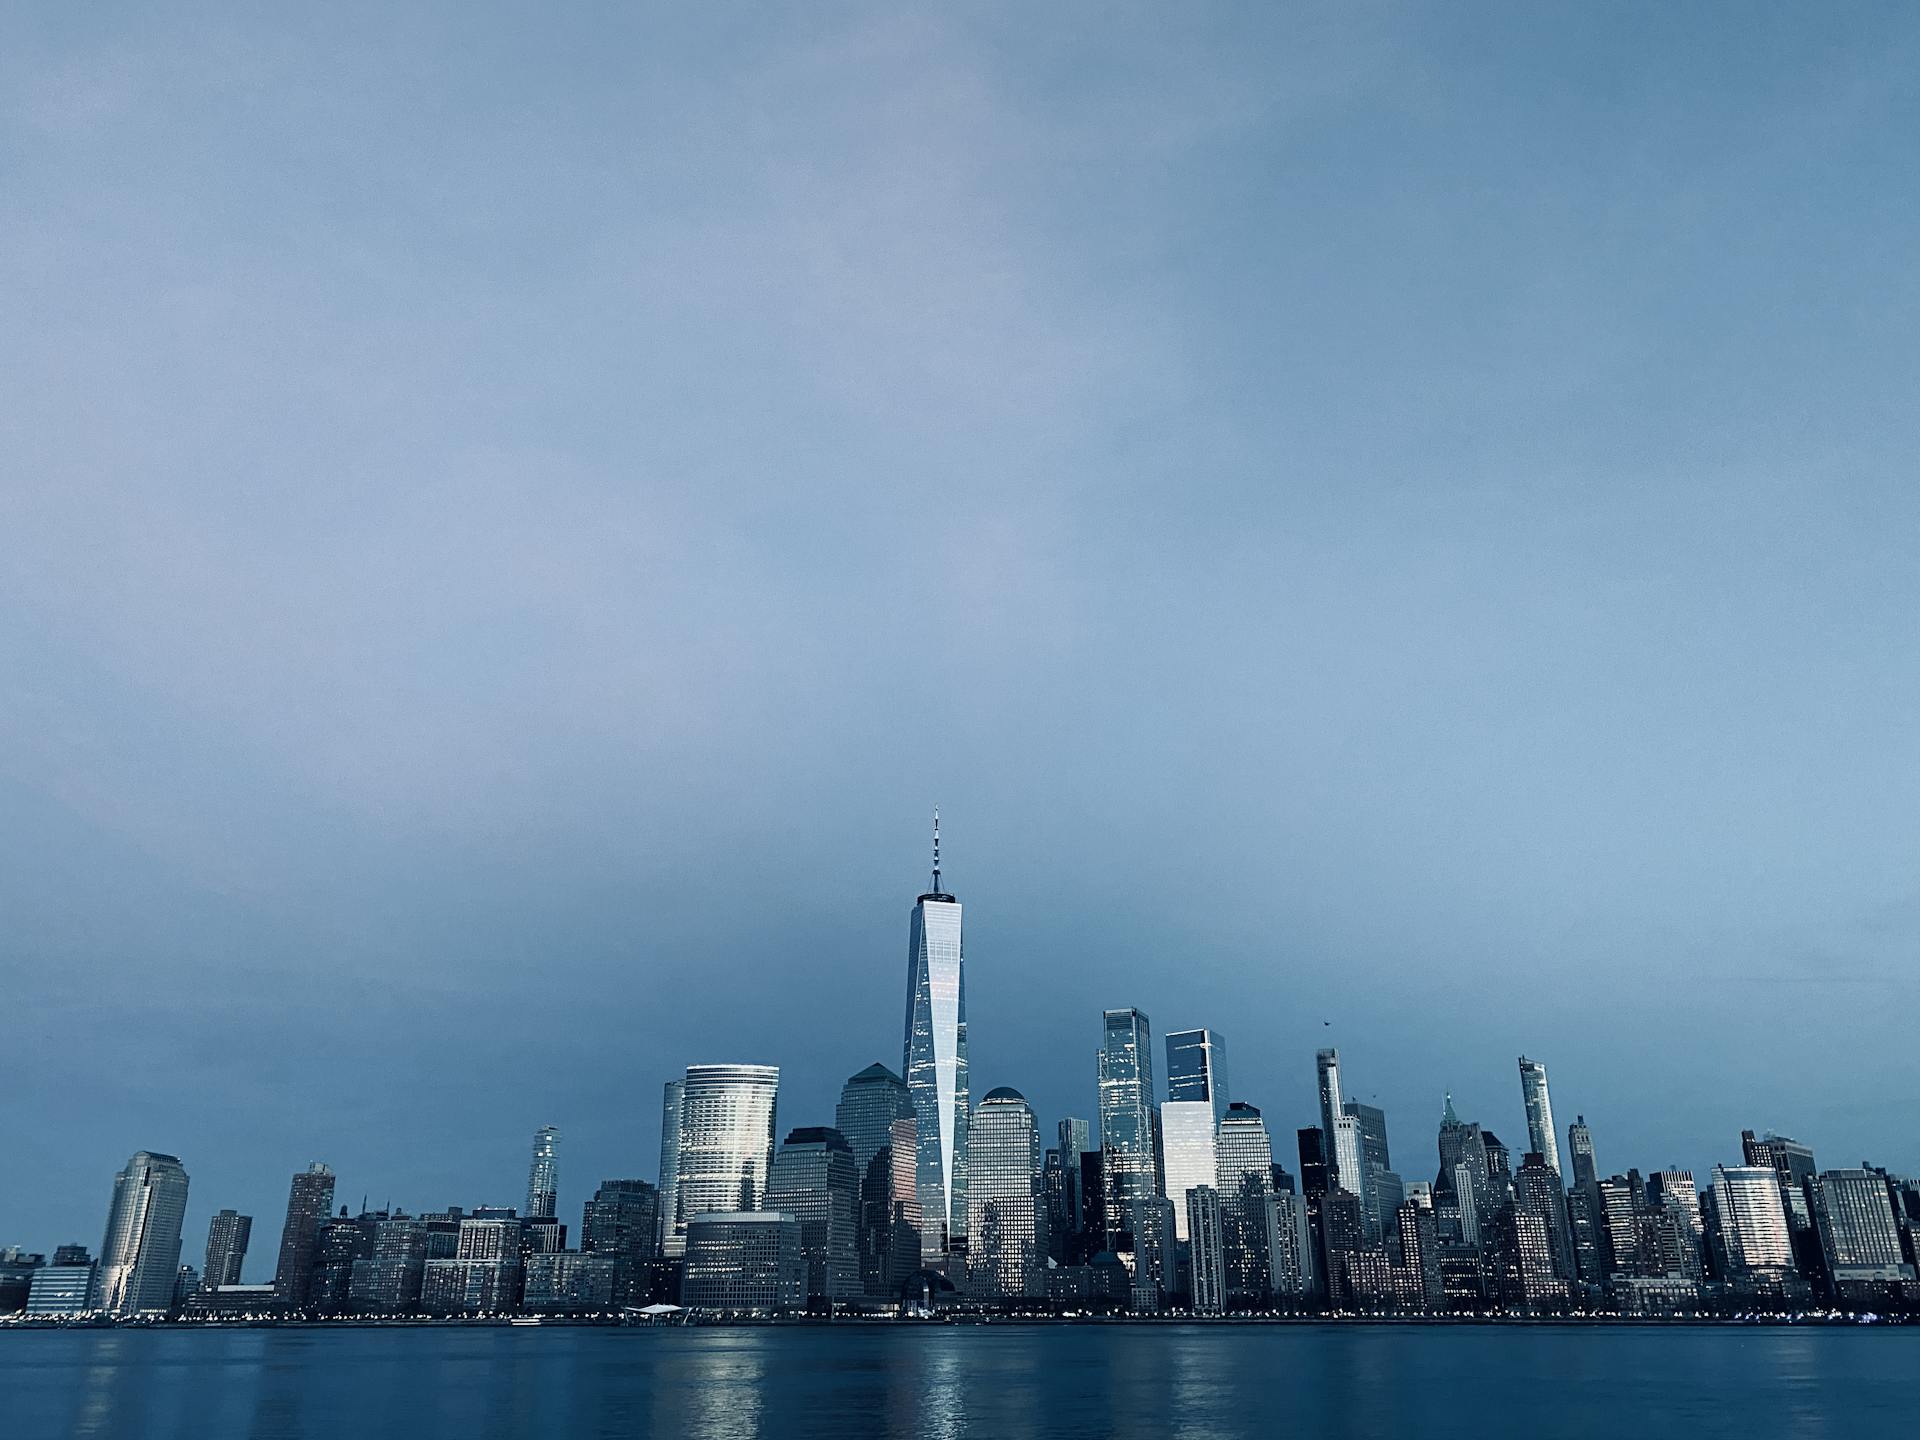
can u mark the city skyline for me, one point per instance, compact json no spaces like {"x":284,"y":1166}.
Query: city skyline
{"x":733,"y":1122}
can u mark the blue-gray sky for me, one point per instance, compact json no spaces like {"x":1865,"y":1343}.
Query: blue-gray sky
{"x":510,"y":516}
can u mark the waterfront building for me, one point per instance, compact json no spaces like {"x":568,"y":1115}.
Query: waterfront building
{"x":1006,"y":1258}
{"x":227,"y":1236}
{"x":234,"y":1302}
{"x":1533,"y":1093}
{"x":339,"y":1243}
{"x":744,"y":1261}
{"x":140,"y":1256}
{"x":570,"y":1282}
{"x":672,"y":1223}
{"x":726,"y":1139}
{"x":1243,"y":1180}
{"x":1129,"y":1156}
{"x":1794,"y":1166}
{"x":813,"y":1179}
{"x":1752,"y":1221}
{"x":1520,"y":1258}
{"x":934,"y":1063}
{"x":309,"y":1201}
{"x":1859,"y":1232}
{"x":1207,"y":1260}
{"x":1580,"y":1147}
{"x":1418,"y":1241}
{"x":59,"y":1289}
{"x":17,"y":1268}
{"x":387,"y":1280}
{"x":543,"y":1175}
{"x":621,"y":1224}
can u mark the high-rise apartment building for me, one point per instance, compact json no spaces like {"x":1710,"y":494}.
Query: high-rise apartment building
{"x":1128,"y":1150}
{"x":744,"y":1261}
{"x":1207,"y":1258}
{"x":934,"y":1062}
{"x":1533,"y":1093}
{"x":543,"y":1175}
{"x":1752,"y":1219}
{"x":1859,"y":1232}
{"x":227,"y":1236}
{"x":813,"y":1179}
{"x":309,"y":1201}
{"x":1003,"y":1227}
{"x":727,"y":1117}
{"x":622,"y":1223}
{"x":140,"y":1256}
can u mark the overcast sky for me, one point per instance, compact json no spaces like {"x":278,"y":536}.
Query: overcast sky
{"x":1386,"y":525}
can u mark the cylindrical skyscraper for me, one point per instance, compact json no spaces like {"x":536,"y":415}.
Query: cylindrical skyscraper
{"x":726,"y":1139}
{"x":1533,"y":1092}
{"x":543,"y":1176}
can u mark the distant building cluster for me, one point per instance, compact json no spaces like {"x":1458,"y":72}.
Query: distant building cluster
{"x":918,"y":1199}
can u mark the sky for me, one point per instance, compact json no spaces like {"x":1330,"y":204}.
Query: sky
{"x":1386,"y":525}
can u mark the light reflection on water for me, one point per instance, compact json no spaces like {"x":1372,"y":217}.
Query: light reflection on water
{"x":1000,"y":1382}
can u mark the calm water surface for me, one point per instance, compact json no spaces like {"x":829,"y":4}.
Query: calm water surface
{"x":1000,"y":1382}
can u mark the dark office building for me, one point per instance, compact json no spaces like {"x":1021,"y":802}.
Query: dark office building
{"x":227,"y":1237}
{"x":309,"y":1201}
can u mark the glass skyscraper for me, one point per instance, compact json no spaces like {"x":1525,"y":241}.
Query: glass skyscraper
{"x":726,"y":1139}
{"x":1533,"y":1091}
{"x":1004,"y":1199}
{"x":543,"y":1175}
{"x":673,"y":1233}
{"x":1580,"y":1147}
{"x":877,"y":1118}
{"x":227,"y":1237}
{"x":140,"y":1256}
{"x":813,"y":1180}
{"x":1190,"y":1115}
{"x":934,"y":1060}
{"x":1129,"y":1155}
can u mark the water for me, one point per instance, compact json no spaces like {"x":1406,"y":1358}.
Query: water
{"x":997,"y":1382}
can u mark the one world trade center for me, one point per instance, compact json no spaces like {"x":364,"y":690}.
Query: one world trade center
{"x":934,"y":1060}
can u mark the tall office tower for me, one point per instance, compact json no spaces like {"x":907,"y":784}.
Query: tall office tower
{"x":1076,"y":1138}
{"x":1580,"y":1147}
{"x":744,"y":1261}
{"x":1243,"y":1178}
{"x":1208,"y":1262}
{"x":673,"y":1234}
{"x":140,"y":1256}
{"x":1463,"y":1156}
{"x":1313,"y":1161}
{"x":1520,"y":1258}
{"x":622,"y":1223}
{"x":543,"y":1175}
{"x":1499,"y":1169}
{"x":1196,"y":1099}
{"x":1752,"y":1220}
{"x":1056,"y":1207}
{"x":1859,"y":1232}
{"x":1003,"y":1226}
{"x":813,"y":1179}
{"x":1349,"y":1171}
{"x":1672,"y":1192}
{"x":387,"y":1279}
{"x":934,"y":1061}
{"x":1382,"y":1189}
{"x":1536,"y":1191}
{"x":1793,"y":1163}
{"x":227,"y":1237}
{"x":1197,"y":1068}
{"x":1533,"y":1092}
{"x":1126,"y":1124}
{"x":1291,"y":1258}
{"x":1093,"y":1203}
{"x":877,"y":1117}
{"x":1584,"y":1209}
{"x":1327,"y":1063}
{"x":309,"y":1201}
{"x":1343,"y":1235}
{"x":726,"y":1140}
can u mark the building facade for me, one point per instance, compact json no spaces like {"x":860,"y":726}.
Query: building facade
{"x":727,"y":1117}
{"x":543,"y":1175}
{"x":934,"y":1063}
{"x":814,"y":1180}
{"x":140,"y":1255}
{"x":1004,"y":1229}
{"x":746,"y":1261}
{"x":227,"y":1236}
{"x":309,"y":1201}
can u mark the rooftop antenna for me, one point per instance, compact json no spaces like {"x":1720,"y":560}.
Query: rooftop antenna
{"x":936,"y":849}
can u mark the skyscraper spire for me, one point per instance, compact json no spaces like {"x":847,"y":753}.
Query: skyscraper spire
{"x":936,"y":849}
